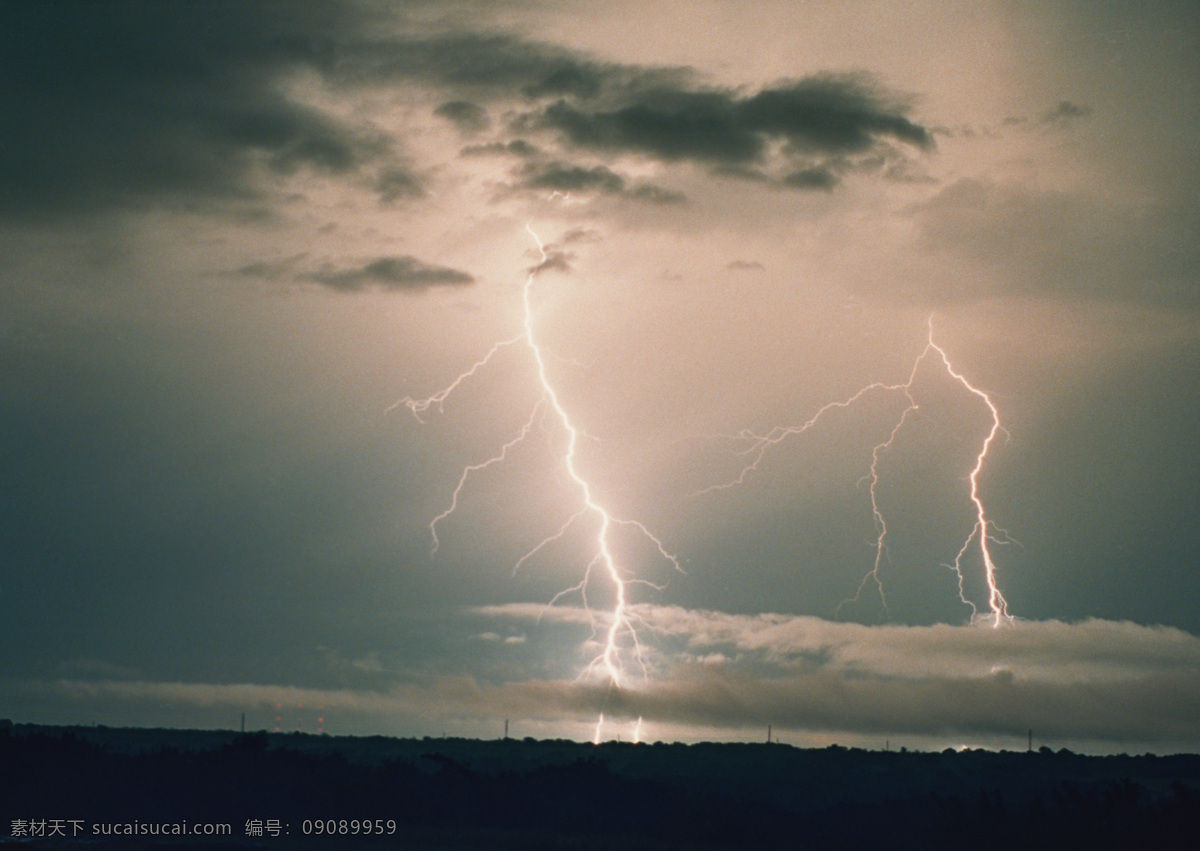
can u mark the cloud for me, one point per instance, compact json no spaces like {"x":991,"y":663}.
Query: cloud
{"x":1096,"y":680}
{"x":289,"y":268}
{"x":535,"y":612}
{"x":665,"y":113}
{"x":656,"y":194}
{"x":822,"y":115}
{"x":489,"y":65}
{"x":517,"y":147}
{"x":1065,"y":113}
{"x":124,"y":104}
{"x":394,"y":183}
{"x":1106,"y":684}
{"x":575,"y":178}
{"x":744,"y":266}
{"x":1046,"y":650}
{"x":556,"y":261}
{"x":579,"y":235}
{"x":392,"y":273}
{"x":468,"y":117}
{"x":496,"y":638}
{"x":821,"y":178}
{"x":559,"y":177}
{"x":1139,"y":710}
{"x":127,"y":104}
{"x":701,"y":129}
{"x":1148,"y":708}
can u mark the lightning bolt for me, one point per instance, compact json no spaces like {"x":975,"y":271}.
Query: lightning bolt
{"x":619,"y":638}
{"x":983,"y":533}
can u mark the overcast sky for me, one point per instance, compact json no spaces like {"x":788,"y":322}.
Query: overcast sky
{"x":236,"y":237}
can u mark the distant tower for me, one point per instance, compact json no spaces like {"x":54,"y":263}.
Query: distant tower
{"x":505,"y":728}
{"x":768,"y":734}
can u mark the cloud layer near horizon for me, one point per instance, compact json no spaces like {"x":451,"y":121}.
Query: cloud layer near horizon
{"x":1106,"y":684}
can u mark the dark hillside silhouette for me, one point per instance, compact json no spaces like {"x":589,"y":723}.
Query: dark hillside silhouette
{"x":457,"y":793}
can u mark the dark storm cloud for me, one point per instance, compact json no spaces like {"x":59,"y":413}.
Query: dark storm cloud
{"x":517,"y":147}
{"x":820,"y":178}
{"x":395,"y":183}
{"x":392,"y":273}
{"x":117,"y":104}
{"x":558,"y":177}
{"x":657,"y":195}
{"x":488,"y":64}
{"x":811,"y":178}
{"x":665,"y":113}
{"x":468,"y":117}
{"x":129,"y":103}
{"x":576,"y":178}
{"x":674,"y":126}
{"x":824,"y":114}
{"x":829,"y":113}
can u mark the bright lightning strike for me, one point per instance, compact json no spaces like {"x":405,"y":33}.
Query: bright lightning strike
{"x":619,"y":638}
{"x":983,"y":533}
{"x":996,"y":602}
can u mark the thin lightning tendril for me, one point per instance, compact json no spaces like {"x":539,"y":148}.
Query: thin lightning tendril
{"x":475,"y":468}
{"x":420,"y":406}
{"x":982,"y":530}
{"x":621,"y":626}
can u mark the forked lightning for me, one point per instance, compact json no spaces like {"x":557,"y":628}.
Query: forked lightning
{"x":984,"y":531}
{"x":618,"y":637}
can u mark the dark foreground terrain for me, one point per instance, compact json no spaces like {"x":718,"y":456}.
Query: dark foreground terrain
{"x":118,"y":788}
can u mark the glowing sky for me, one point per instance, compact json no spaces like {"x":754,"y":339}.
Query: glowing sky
{"x":234,"y":235}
